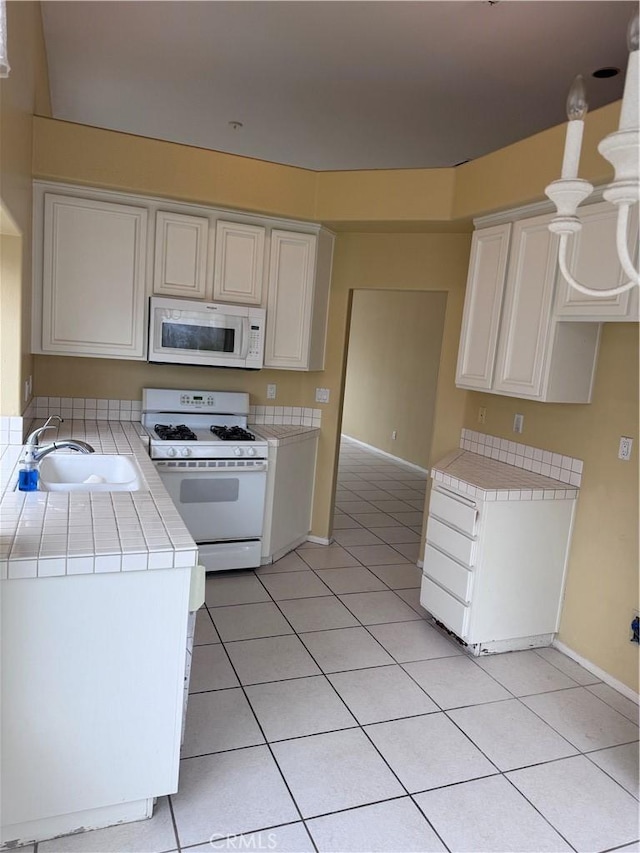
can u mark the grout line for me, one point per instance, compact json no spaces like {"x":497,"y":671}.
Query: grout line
{"x":175,"y":825}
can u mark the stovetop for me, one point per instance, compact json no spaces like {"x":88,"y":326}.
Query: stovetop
{"x":200,"y":425}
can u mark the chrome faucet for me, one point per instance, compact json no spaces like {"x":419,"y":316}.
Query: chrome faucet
{"x":35,"y":452}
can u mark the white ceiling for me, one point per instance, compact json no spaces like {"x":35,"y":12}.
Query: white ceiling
{"x":332,"y":85}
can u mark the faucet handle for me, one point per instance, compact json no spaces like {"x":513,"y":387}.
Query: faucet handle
{"x":34,"y":436}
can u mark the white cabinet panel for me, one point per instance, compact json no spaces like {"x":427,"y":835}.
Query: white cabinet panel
{"x":289,"y":499}
{"x":297,"y":302}
{"x":527,"y":310}
{"x":480,"y":321}
{"x":180,"y":255}
{"x":94,"y":264}
{"x":593,"y":261}
{"x":456,"y":544}
{"x":454,"y":509}
{"x":239,"y":262}
{"x":444,"y":607}
{"x":450,"y":575}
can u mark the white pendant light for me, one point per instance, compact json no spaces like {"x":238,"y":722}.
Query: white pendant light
{"x":622,"y":150}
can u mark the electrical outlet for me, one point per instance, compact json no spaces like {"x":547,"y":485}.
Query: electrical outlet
{"x":624,"y":449}
{"x":394,"y":435}
{"x":26,"y":390}
{"x":322,"y":395}
{"x":271,"y":392}
{"x":518,"y":423}
{"x":482,"y":415}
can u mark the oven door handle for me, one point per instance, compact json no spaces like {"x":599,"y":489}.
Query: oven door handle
{"x":174,"y":467}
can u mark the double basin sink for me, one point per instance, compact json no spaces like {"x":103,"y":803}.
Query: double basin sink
{"x":90,"y":472}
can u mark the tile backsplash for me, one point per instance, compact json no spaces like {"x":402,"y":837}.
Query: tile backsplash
{"x":294,"y":415}
{"x":86,"y":408}
{"x":567,"y":469}
{"x":10,"y":430}
{"x":81,"y":408}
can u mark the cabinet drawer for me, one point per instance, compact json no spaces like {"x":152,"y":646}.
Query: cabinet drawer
{"x":450,"y":541}
{"x":449,"y":574}
{"x":444,"y":607}
{"x":454,"y":510}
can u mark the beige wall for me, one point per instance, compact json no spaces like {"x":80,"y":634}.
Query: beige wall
{"x":602,"y":582}
{"x":392,"y":370}
{"x":416,"y":262}
{"x":23,"y":93}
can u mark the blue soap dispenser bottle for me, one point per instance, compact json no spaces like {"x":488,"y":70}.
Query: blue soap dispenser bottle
{"x":28,"y":474}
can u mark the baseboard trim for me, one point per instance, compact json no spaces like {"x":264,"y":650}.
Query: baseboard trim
{"x":319,"y":540}
{"x":384,"y":453}
{"x":595,"y":670}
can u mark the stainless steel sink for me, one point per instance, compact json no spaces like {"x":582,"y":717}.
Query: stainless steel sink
{"x":91,"y":472}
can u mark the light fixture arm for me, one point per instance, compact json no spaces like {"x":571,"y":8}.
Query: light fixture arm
{"x":622,"y":149}
{"x":588,"y":291}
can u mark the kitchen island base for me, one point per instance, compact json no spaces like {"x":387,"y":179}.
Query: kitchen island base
{"x":92,"y":698}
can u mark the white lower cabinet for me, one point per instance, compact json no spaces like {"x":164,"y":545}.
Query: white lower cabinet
{"x":92,"y":699}
{"x":93,"y":289}
{"x":289,"y":496}
{"x":495,"y":578}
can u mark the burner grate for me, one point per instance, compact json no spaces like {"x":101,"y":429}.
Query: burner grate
{"x":168,"y":432}
{"x":232,"y":433}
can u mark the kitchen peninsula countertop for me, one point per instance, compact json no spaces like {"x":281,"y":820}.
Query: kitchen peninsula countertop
{"x":49,"y":534}
{"x":278,"y":434}
{"x":490,"y":480}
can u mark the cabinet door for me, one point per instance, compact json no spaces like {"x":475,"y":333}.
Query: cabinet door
{"x":94,"y":263}
{"x":593,"y":261}
{"x":482,"y":305}
{"x":239,"y":263}
{"x":526,"y":315}
{"x":181,"y":255}
{"x":290,"y":300}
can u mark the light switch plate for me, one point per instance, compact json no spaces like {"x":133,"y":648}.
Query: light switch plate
{"x":322,"y":395}
{"x":271,"y":392}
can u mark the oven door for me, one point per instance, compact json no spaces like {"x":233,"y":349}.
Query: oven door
{"x":219,"y":500}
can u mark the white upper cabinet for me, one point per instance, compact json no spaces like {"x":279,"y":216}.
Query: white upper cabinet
{"x":180,"y":267}
{"x":593,"y":261}
{"x":239,"y":262}
{"x":480,"y":320}
{"x":512,"y":342}
{"x":99,"y":254}
{"x":297,"y":299}
{"x":93,"y":267}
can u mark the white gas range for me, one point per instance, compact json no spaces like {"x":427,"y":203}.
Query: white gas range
{"x":214,"y":469}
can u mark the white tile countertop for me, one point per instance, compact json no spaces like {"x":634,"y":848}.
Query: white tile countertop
{"x":48,"y":534}
{"x":491,"y":480}
{"x":278,"y":434}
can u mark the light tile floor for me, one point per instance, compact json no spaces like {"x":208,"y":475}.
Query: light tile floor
{"x":327,"y":714}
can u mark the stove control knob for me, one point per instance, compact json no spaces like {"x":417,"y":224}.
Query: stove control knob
{"x":171,"y":451}
{"x":186,"y":451}
{"x":237,"y":451}
{"x":251,"y":451}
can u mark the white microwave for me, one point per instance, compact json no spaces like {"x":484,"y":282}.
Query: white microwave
{"x":208,"y":334}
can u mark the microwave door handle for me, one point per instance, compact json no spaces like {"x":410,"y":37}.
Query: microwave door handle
{"x":244,"y":343}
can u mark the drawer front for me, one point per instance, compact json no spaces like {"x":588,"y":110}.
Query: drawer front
{"x":444,"y":607}
{"x":451,"y":541}
{"x":457,"y":511}
{"x":449,"y":574}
